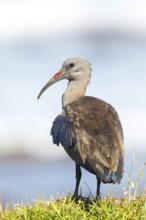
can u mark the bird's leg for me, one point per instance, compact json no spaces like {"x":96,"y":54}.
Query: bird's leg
{"x":78,"y":178}
{"x":98,"y":187}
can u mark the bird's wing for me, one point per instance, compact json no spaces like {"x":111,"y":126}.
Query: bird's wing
{"x":98,"y":131}
{"x":62,"y":132}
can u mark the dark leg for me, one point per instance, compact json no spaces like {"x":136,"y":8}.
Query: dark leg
{"x":98,"y":187}
{"x":78,"y":178}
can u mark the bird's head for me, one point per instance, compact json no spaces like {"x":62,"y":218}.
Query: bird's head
{"x":74,"y":68}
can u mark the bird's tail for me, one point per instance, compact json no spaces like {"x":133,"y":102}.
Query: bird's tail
{"x":115,"y":177}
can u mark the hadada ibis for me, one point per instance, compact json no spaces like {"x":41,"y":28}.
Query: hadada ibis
{"x":88,"y":128}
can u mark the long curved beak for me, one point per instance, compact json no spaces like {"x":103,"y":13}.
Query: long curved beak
{"x":61,"y":74}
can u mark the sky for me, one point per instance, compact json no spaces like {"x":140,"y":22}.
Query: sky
{"x":35,"y":39}
{"x":19,"y":18}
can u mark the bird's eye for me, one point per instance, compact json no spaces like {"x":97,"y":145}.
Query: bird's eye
{"x":71,"y":64}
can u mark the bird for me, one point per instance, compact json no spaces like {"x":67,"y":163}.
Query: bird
{"x":88,"y":128}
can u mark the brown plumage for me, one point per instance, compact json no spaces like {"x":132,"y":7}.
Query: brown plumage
{"x":88,"y":128}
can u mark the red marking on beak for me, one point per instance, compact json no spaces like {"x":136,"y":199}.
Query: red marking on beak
{"x":57,"y":74}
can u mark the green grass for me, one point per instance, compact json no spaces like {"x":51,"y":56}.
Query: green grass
{"x":66,"y":208}
{"x":130,"y":207}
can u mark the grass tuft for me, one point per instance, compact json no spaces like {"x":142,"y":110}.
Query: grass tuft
{"x":66,"y":208}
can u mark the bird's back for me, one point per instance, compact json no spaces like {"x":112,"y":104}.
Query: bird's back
{"x":96,"y":137}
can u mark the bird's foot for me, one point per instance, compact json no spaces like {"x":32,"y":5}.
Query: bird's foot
{"x":98,"y":197}
{"x":75,"y":197}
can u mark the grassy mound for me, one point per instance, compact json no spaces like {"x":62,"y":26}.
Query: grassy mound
{"x":66,"y":208}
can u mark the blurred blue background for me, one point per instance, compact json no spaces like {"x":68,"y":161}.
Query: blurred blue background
{"x":35,"y":39}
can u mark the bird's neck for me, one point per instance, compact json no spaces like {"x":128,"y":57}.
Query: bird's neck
{"x":75,"y":89}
